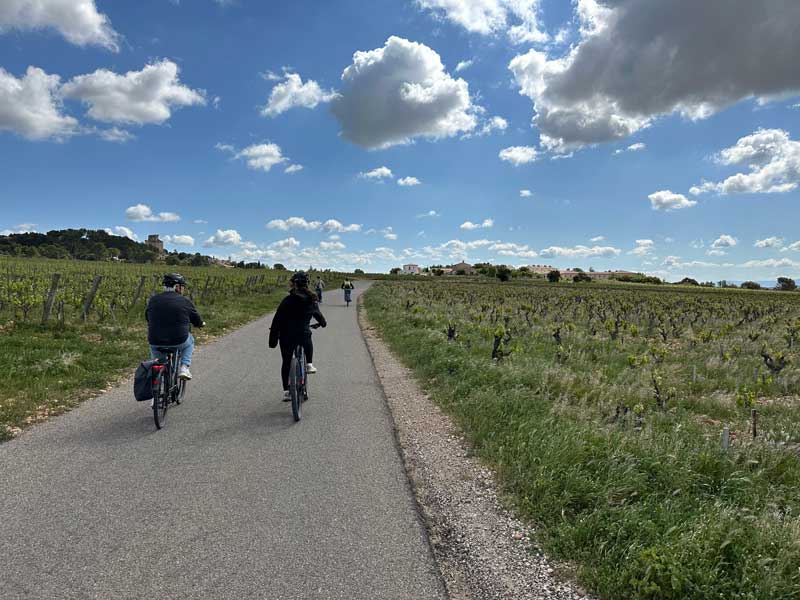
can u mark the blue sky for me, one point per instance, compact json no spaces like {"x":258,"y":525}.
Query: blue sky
{"x":598,"y":133}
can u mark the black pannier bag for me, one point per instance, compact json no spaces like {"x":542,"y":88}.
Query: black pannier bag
{"x":143,"y":381}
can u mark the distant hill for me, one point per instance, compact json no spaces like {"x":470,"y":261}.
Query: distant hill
{"x":90,"y":244}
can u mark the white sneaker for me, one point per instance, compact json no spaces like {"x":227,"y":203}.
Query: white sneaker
{"x":287,"y":396}
{"x":184,"y":373}
{"x":311,"y":368}
{"x":152,"y":402}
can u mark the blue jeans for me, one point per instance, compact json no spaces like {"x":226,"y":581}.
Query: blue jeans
{"x":186,"y":348}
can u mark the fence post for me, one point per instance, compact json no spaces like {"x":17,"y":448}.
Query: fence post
{"x":138,"y":293}
{"x":87,"y":304}
{"x":754,"y":421}
{"x":726,"y":437}
{"x":51,"y":295}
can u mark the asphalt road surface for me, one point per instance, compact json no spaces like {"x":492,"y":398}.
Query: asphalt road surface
{"x":232,"y":499}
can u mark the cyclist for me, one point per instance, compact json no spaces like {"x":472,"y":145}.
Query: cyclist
{"x":347,"y":286}
{"x":169,"y":316}
{"x":319,"y":286}
{"x":291,"y":326}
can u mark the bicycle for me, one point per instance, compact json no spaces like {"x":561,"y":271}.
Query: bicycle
{"x":298,"y":379}
{"x":169,"y":388}
{"x":347,"y":297}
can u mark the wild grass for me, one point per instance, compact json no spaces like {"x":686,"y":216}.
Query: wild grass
{"x":640,"y":498}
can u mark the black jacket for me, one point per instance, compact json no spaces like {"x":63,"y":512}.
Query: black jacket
{"x":168,"y":317}
{"x":293,"y":317}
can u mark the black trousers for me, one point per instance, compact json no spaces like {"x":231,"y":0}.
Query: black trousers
{"x":287,"y":351}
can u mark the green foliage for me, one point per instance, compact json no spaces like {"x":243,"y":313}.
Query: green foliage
{"x":554,"y":276}
{"x":582,"y":277}
{"x":786,"y":284}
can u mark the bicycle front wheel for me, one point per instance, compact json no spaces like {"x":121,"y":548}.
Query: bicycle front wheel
{"x":161,"y":400}
{"x":296,"y":388}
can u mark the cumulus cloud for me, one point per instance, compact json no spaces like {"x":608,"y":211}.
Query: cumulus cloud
{"x":137,"y":97}
{"x":123,"y":231}
{"x":31,"y":106}
{"x":725,"y":241}
{"x":388,"y":233}
{"x":115,"y":134}
{"x":408,"y":181}
{"x":334,"y":226}
{"x":429,"y":214}
{"x":774,"y":163}
{"x":632,"y":148}
{"x":224,"y":237}
{"x":519,"y":155}
{"x":643,"y":248}
{"x":332,"y":245}
{"x":669,"y":201}
{"x":488,"y":126}
{"x":580,"y":251}
{"x":394,"y":94}
{"x":143,"y":213}
{"x":525,"y":193}
{"x":518,"y":19}
{"x":470,"y":226}
{"x":772,"y":263}
{"x":289,"y":243}
{"x":179,"y":240}
{"x":293,"y":169}
{"x":294,"y":223}
{"x":598,"y":238}
{"x":463,"y":65}
{"x":512,"y":249}
{"x":378,"y":174}
{"x":292,"y":92}
{"x":637,"y":60}
{"x":262,"y":157}
{"x":78,"y":21}
{"x":793,"y":247}
{"x":770,"y":242}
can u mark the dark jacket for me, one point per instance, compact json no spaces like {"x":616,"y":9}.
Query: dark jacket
{"x":168,"y":317}
{"x":293,"y":318}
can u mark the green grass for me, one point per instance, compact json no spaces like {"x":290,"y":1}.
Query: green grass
{"x":657,"y":511}
{"x":47,"y":370}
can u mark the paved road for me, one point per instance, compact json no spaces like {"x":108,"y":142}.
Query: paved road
{"x":231,"y":500}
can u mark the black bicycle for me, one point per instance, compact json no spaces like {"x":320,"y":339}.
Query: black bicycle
{"x":298,"y":379}
{"x":168,"y":387}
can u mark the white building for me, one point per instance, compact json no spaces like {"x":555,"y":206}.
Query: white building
{"x":411,"y":270}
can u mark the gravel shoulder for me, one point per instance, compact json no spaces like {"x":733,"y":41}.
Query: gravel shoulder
{"x":484,"y":552}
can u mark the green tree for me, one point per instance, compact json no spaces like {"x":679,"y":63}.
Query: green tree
{"x":554,"y":276}
{"x":751,"y":285}
{"x":786,"y":284}
{"x":582,"y":277}
{"x":503,"y":273}
{"x":278,"y":267}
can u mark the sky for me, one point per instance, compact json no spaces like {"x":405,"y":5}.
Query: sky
{"x":607,"y":134}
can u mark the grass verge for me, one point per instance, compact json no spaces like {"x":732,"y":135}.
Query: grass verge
{"x":657,"y":512}
{"x":47,"y":370}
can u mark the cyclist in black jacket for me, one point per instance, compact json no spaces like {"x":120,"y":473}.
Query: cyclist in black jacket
{"x":291,"y":326}
{"x":169,"y":316}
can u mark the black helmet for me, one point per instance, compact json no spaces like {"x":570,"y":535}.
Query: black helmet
{"x":300,"y":278}
{"x":173,"y":279}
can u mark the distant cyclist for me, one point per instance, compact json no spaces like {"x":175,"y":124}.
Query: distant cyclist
{"x":169,"y":316}
{"x":319,"y":287}
{"x":291,"y":326}
{"x":348,"y":287}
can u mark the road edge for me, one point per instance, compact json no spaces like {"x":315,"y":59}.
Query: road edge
{"x":481,"y":549}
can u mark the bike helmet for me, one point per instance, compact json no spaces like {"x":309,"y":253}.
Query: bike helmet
{"x":300,"y":278}
{"x":173,"y":279}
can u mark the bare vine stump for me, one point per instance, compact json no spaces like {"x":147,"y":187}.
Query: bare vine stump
{"x":87,"y":304}
{"x":51,"y":295}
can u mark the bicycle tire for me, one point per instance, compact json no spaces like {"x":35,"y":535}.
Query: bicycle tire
{"x":295,"y":391}
{"x":161,"y":401}
{"x":181,"y":391}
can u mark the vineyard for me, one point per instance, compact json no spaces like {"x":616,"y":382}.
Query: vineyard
{"x":653,"y":434}
{"x":68,"y":328}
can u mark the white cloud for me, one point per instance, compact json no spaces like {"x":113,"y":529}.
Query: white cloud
{"x":225,"y":147}
{"x":389,"y":233}
{"x":179,"y":240}
{"x":490,"y":125}
{"x":262,"y":157}
{"x":643,"y":248}
{"x":463,"y":65}
{"x":292,"y":92}
{"x":794,"y":247}
{"x":31,"y":106}
{"x":137,"y":97}
{"x":293,"y":169}
{"x":200,"y":222}
{"x":289,"y":243}
{"x":525,"y":193}
{"x":773,"y":160}
{"x":669,"y":201}
{"x":725,"y":241}
{"x":579,"y":251}
{"x":598,"y":238}
{"x":429,"y":214}
{"x":770,"y":242}
{"x":142,"y":212}
{"x":115,"y":134}
{"x":332,"y":245}
{"x":334,"y":226}
{"x":632,"y":148}
{"x":224,"y":237}
{"x":772,"y":263}
{"x":519,"y":155}
{"x":77,"y":20}
{"x":408,"y":181}
{"x":511,"y":249}
{"x":636,"y":61}
{"x":394,"y":94}
{"x":470,"y":226}
{"x":519,"y":19}
{"x":294,"y":223}
{"x":378,"y":174}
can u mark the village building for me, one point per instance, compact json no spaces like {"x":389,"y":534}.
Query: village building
{"x":411,"y":269}
{"x":154,"y":242}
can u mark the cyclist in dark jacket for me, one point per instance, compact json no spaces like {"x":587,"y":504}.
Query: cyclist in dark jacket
{"x":291,"y":326}
{"x":169,"y":316}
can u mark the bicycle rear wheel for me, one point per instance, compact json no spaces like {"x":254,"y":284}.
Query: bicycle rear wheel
{"x":296,"y":387}
{"x":161,"y":400}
